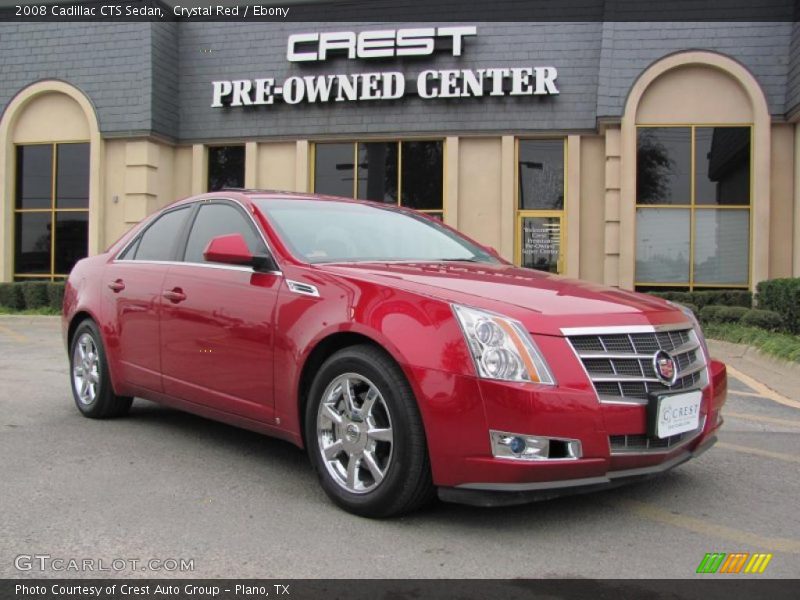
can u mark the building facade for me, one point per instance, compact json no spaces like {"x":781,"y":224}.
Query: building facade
{"x":637,"y":155}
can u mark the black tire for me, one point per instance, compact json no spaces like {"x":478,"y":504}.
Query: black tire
{"x":407,"y":483}
{"x":104,"y":404}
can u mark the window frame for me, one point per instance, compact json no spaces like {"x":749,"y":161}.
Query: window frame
{"x":399,"y":141}
{"x":521,"y":214}
{"x":693,"y":207}
{"x":51,"y":275}
{"x":180,"y":256}
{"x":208,"y":148}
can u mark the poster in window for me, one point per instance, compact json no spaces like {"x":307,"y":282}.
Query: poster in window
{"x":541,"y":243}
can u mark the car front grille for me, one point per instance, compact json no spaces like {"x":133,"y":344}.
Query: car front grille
{"x":620,"y":364}
{"x":638,"y":443}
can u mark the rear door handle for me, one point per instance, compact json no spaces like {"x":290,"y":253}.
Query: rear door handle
{"x":174,"y":295}
{"x":116,"y":286}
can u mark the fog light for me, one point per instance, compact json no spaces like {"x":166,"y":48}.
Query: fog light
{"x":532,"y":447}
{"x":517,"y":445}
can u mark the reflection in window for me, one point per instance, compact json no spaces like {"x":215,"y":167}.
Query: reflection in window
{"x":423,"y":175}
{"x":158,"y":240}
{"x":722,"y":165}
{"x":72,"y":184}
{"x":51,"y":221}
{"x":663,"y":165}
{"x":214,"y":220}
{"x":34,"y":176}
{"x":662,"y":245}
{"x":722,"y":246}
{"x":333,"y":169}
{"x":541,"y":174}
{"x":225,"y":167}
{"x":377,"y":172}
{"x":541,"y":243}
{"x":408,"y":173}
{"x":690,"y":241}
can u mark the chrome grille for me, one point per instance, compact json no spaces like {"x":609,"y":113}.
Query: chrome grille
{"x":620,"y":365}
{"x":638,"y":442}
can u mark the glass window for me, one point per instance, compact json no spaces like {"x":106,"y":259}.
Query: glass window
{"x":423,"y":175}
{"x":34,"y":176}
{"x":32,"y":242}
{"x":541,"y":175}
{"x":51,"y":217}
{"x":703,"y":238}
{"x":333,"y":169}
{"x":72,"y":176}
{"x":225,"y":167}
{"x":663,"y":165}
{"x":377,"y":172}
{"x":321,"y":231}
{"x":722,"y":165}
{"x":541,"y":243}
{"x":662,"y":245}
{"x":409,"y":173}
{"x":219,"y":219}
{"x":722,"y":246}
{"x":72,"y":239}
{"x":158,"y":240}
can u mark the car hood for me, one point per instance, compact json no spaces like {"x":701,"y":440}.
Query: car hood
{"x":543,"y":302}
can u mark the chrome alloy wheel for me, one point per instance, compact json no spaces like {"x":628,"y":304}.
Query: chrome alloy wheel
{"x":86,"y":369}
{"x":354,"y":433}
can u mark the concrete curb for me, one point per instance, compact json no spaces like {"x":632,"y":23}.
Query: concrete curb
{"x":779,"y":375}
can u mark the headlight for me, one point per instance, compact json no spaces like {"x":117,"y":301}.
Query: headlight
{"x":697,"y":329}
{"x":501,"y":348}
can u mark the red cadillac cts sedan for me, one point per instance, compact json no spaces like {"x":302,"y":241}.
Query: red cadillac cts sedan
{"x":407,"y":359}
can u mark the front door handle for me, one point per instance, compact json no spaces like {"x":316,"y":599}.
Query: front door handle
{"x":117,"y":285}
{"x":174,"y":295}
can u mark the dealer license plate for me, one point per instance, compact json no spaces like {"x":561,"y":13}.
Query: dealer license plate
{"x":677,"y":413}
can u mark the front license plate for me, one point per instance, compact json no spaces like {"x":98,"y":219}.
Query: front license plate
{"x":677,"y":413}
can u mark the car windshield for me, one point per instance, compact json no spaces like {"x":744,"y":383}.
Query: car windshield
{"x":323,"y":231}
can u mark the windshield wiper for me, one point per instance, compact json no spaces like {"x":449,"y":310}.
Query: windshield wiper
{"x":474,"y":259}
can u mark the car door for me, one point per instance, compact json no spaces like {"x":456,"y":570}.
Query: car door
{"x":132,"y":291}
{"x":217,"y":324}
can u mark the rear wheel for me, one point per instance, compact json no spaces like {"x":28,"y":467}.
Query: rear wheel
{"x":91,"y":383}
{"x":365,"y":436}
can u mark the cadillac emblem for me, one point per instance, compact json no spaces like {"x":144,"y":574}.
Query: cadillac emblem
{"x":665,"y":368}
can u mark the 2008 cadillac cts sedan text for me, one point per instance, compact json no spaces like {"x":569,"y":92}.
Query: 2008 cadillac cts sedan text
{"x":407,"y":359}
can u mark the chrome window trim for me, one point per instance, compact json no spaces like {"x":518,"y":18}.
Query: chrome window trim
{"x":623,"y":329}
{"x":177,"y":263}
{"x":249,"y":213}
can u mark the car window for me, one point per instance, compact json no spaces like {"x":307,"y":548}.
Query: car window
{"x":220,"y":219}
{"x":158,"y":240}
{"x":320,"y":231}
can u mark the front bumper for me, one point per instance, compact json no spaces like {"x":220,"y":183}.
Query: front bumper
{"x":509,"y":494}
{"x":459,"y":413}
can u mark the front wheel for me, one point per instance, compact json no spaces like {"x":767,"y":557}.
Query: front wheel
{"x":365,"y":436}
{"x":91,"y":382}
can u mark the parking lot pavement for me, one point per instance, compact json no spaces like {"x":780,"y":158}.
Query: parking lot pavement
{"x":161,"y":484}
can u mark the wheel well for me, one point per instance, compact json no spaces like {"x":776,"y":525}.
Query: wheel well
{"x":321,"y":352}
{"x":77,"y":319}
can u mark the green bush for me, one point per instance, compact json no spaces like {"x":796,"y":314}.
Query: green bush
{"x":783,"y":297}
{"x":732,"y":314}
{"x":11,"y":296}
{"x":55,"y":294}
{"x":35,"y":294}
{"x":710,"y":314}
{"x":710,"y":297}
{"x":765,"y":319}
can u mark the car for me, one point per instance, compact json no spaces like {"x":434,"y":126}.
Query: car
{"x":408,"y":360}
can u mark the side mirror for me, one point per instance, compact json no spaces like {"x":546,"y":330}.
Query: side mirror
{"x":232,"y":250}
